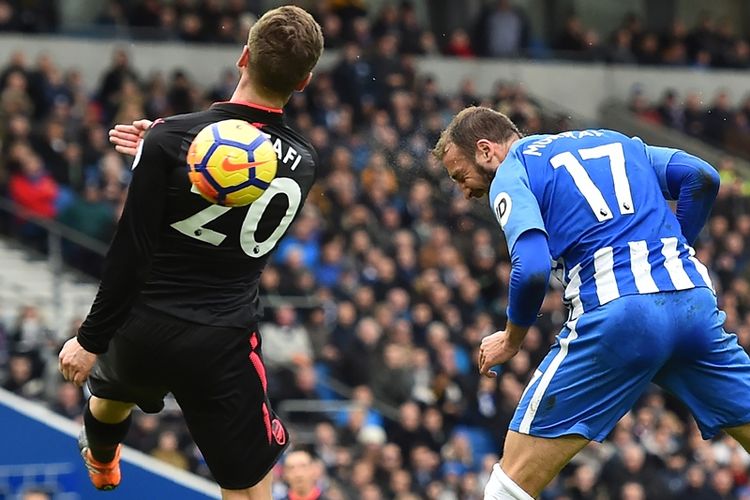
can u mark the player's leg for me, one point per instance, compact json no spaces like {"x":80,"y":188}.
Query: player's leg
{"x":105,"y":423}
{"x":261,"y":491}
{"x":122,"y":377}
{"x":529,"y":463}
{"x":710,"y":371}
{"x":597,"y":369}
{"x":226,"y":407}
{"x":741,"y":433}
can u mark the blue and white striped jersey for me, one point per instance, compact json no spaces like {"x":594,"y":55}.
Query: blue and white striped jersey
{"x":597,"y":196}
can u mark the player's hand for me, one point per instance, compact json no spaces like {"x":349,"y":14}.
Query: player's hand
{"x":495,"y":349}
{"x":126,"y":137}
{"x":75,"y":362}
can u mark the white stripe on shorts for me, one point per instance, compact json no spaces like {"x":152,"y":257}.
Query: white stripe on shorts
{"x":673,"y":265}
{"x":536,"y":398}
{"x":534,"y":378}
{"x":640,"y":267}
{"x":604,"y":275}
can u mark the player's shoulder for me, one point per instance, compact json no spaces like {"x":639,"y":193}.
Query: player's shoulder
{"x":293,"y":136}
{"x":187,"y":121}
{"x":177,"y":126}
{"x":292,"y":148}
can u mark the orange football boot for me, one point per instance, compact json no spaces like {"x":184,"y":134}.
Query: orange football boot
{"x":104,"y":475}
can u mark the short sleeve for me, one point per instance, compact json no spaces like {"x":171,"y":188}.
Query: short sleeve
{"x":513,"y":202}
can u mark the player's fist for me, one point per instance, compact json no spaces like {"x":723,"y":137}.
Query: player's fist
{"x":495,"y":349}
{"x":75,"y":362}
{"x":126,"y":137}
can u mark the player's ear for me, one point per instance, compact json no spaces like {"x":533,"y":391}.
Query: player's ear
{"x":484,"y":149}
{"x":244,"y":59}
{"x":304,"y":83}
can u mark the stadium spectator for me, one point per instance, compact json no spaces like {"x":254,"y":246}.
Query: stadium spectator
{"x":167,"y":450}
{"x":501,"y":30}
{"x":572,"y":37}
{"x":286,"y":349}
{"x":410,"y":30}
{"x":113,"y":80}
{"x":696,"y":485}
{"x":620,"y":50}
{"x":392,"y":382}
{"x":629,"y":467}
{"x":69,"y":402}
{"x":21,"y":379}
{"x":89,"y":214}
{"x":459,"y":45}
{"x":299,"y":475}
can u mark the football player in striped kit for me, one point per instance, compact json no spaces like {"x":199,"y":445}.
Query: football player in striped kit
{"x":592,"y":205}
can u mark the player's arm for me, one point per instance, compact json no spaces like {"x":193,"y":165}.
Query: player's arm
{"x":518,"y":213}
{"x":529,"y":277}
{"x":689,"y":180}
{"x":128,"y":260}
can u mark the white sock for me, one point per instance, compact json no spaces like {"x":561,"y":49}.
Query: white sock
{"x":501,"y":487}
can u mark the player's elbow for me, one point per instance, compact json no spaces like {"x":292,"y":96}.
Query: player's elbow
{"x":710,"y":182}
{"x":705,"y":181}
{"x":537,"y":281}
{"x":536,"y":274}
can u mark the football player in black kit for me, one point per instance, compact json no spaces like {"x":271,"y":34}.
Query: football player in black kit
{"x":176,"y":307}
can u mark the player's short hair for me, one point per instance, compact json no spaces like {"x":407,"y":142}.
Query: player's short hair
{"x":472,"y":124}
{"x":284,"y":45}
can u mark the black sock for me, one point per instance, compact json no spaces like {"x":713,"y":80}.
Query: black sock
{"x":104,"y":438}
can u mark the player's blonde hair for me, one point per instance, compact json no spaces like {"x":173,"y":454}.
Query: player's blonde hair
{"x":472,"y":124}
{"x":284,"y":45}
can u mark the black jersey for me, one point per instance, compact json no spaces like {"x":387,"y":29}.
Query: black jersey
{"x":180,"y":255}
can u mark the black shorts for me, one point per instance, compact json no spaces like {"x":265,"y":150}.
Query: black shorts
{"x":218,"y":378}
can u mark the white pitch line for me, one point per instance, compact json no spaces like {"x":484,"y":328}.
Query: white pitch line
{"x":59,"y":423}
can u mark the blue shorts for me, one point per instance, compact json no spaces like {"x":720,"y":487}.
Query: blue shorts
{"x":603,"y":361}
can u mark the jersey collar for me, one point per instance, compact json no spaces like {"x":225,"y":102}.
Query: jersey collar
{"x":251,"y":112}
{"x":253,"y":105}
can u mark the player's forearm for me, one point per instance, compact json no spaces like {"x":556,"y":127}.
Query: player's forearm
{"x":695,"y":184}
{"x":516,"y":333}
{"x":529,"y":278}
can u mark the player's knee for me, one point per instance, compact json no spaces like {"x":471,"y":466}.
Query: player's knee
{"x":245,"y":494}
{"x":741,"y":433}
{"x":502,"y":487}
{"x":109,"y":411}
{"x":261,"y":491}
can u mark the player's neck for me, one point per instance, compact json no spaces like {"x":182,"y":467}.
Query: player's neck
{"x":500,"y":152}
{"x":506,"y":148}
{"x":246,"y":93}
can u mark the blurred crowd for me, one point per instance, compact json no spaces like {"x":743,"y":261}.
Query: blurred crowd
{"x":501,"y":29}
{"x":401,"y":278}
{"x":710,"y":43}
{"x":717,"y":121}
